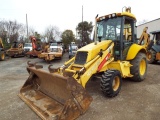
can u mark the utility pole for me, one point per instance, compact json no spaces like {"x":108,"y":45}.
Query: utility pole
{"x":27,"y":28}
{"x":82,"y":24}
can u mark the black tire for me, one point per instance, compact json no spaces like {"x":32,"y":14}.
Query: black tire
{"x":12,"y":56}
{"x":139,"y":68}
{"x":23,"y":54}
{"x":48,"y":61}
{"x":111,"y":83}
{"x":27,"y":55}
{"x":152,"y":57}
{"x":60,"y":58}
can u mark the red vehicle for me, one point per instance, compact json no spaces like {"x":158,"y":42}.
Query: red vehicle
{"x":36,"y":48}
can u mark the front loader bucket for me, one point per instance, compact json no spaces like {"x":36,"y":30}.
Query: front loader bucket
{"x":52,"y":96}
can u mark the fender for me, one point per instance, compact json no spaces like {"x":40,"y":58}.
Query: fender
{"x":134,"y":50}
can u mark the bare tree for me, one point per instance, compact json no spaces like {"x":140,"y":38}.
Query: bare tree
{"x":11,"y":29}
{"x":142,"y":22}
{"x":31,"y":31}
{"x":51,"y":33}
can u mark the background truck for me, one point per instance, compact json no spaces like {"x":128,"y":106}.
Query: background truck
{"x":72,"y":50}
{"x":60,"y":93}
{"x":27,"y":47}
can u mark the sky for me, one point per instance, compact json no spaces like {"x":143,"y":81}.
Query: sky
{"x":66,"y":14}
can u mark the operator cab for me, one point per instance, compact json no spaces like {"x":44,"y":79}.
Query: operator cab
{"x":156,"y":37}
{"x":120,"y":28}
{"x":15,"y":44}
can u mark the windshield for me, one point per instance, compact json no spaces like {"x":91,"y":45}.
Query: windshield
{"x":55,"y":50}
{"x":15,"y":45}
{"x":27,"y":45}
{"x":109,"y":29}
{"x":54,"y":44}
{"x":74,"y":47}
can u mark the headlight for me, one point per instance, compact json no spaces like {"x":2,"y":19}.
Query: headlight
{"x":114,"y":15}
{"x":102,"y":18}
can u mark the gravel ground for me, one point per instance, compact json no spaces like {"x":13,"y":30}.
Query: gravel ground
{"x":136,"y":100}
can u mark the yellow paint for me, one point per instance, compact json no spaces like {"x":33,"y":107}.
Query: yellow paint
{"x":93,"y":49}
{"x":128,"y":14}
{"x":134,"y":50}
{"x":116,"y":83}
{"x":2,"y":56}
{"x":1,"y":43}
{"x":142,"y":67}
{"x":122,"y":66}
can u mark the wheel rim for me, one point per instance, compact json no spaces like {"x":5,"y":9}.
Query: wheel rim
{"x":2,"y":56}
{"x":116,"y":83}
{"x":142,"y":67}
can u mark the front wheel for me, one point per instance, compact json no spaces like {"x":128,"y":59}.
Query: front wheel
{"x":139,"y":68}
{"x":111,"y":83}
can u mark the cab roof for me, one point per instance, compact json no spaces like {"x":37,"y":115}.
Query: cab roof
{"x":128,"y":14}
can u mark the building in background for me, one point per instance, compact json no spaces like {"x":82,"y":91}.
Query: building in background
{"x":153,"y":25}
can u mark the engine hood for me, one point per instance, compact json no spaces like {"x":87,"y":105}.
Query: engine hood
{"x":93,"y":49}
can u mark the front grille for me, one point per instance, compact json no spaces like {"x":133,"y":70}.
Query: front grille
{"x":54,"y":49}
{"x":26,"y":50}
{"x":81,"y":58}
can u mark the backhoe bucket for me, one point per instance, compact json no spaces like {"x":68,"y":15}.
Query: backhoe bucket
{"x":53,"y":96}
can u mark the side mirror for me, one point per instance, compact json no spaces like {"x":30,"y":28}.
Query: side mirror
{"x":99,"y":38}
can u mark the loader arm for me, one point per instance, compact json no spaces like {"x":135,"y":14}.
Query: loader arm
{"x":144,"y":37}
{"x":33,"y":41}
{"x":96,"y":65}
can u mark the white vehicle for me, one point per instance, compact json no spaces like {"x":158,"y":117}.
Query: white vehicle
{"x":54,"y":47}
{"x":27,"y":47}
{"x":72,"y":50}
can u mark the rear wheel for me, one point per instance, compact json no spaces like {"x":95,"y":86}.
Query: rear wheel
{"x":139,"y":68}
{"x":111,"y":83}
{"x":152,"y":56}
{"x":48,"y":61}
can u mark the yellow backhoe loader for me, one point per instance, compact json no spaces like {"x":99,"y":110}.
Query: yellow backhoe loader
{"x":2,"y":52}
{"x":60,"y":94}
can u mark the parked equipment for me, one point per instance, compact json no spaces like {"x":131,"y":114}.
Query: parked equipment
{"x":146,"y":42}
{"x":72,"y":50}
{"x":16,"y":50}
{"x":2,"y":52}
{"x":61,"y":94}
{"x":36,"y":48}
{"x":27,"y":47}
{"x":155,"y":48}
{"x":51,"y":52}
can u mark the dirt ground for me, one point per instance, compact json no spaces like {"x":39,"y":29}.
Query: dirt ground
{"x":136,"y":100}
